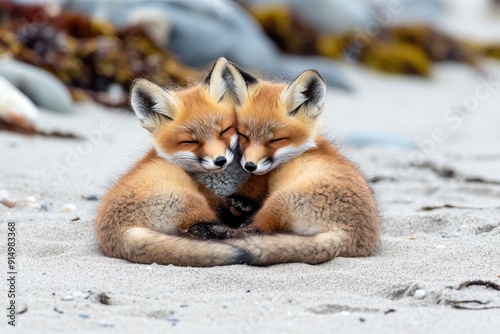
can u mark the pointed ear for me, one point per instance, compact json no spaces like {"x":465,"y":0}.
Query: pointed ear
{"x":218,"y":80}
{"x":151,"y":103}
{"x":241,"y":82}
{"x":306,"y":95}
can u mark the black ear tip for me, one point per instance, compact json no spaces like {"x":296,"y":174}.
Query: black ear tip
{"x":316,"y":74}
{"x":247,"y":77}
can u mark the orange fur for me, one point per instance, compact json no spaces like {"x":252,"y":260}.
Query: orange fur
{"x":317,"y":205}
{"x":154,"y":211}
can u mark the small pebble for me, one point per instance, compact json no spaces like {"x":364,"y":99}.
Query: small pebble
{"x":6,"y":200}
{"x":105,"y":323}
{"x":44,"y":207}
{"x":83,"y":295}
{"x":68,"y":298}
{"x":30,"y":199}
{"x":419,"y":294}
{"x":453,"y":234}
{"x":84,"y":316}
{"x":91,"y":197}
{"x":68,"y":208}
{"x":31,"y":203}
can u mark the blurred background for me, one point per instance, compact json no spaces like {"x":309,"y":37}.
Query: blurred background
{"x":55,"y":53}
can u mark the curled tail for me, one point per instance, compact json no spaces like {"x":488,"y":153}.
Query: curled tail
{"x":143,"y":245}
{"x":285,"y":248}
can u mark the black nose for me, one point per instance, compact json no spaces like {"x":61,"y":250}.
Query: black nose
{"x":250,"y":166}
{"x":220,"y":161}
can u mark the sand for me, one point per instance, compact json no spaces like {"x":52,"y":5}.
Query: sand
{"x":425,"y":246}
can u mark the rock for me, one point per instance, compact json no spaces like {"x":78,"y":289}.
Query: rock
{"x":6,"y":199}
{"x":239,"y":37}
{"x":326,"y":16}
{"x":30,"y":199}
{"x":419,"y":294}
{"x":154,"y":22}
{"x":15,"y":107}
{"x":91,"y":197}
{"x":31,"y":203}
{"x":410,"y":12}
{"x":40,"y":86}
{"x":69,"y":208}
{"x":68,"y":298}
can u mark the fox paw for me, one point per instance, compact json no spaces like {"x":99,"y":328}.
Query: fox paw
{"x":206,"y":230}
{"x":238,"y":211}
{"x":241,"y":206}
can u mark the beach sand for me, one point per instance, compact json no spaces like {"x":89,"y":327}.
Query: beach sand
{"x":440,"y":206}
{"x":441,"y":221}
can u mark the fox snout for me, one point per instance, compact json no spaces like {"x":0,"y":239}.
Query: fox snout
{"x":217,"y":156}
{"x":218,"y":163}
{"x":250,"y":166}
{"x":255,"y":160}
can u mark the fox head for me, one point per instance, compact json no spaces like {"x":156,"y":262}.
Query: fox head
{"x":276,"y":122}
{"x":193,"y":128}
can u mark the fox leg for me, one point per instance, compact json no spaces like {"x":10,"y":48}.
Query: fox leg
{"x":270,"y":218}
{"x":200,"y":221}
{"x":243,"y":204}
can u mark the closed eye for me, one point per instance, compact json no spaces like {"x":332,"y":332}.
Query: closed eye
{"x":189,"y":142}
{"x":277,"y":140}
{"x":242,"y":135}
{"x":226,"y":130}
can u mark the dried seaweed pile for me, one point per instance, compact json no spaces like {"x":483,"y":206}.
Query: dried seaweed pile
{"x":404,"y":50}
{"x":93,"y":58}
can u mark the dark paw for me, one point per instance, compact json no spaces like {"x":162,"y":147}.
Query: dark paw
{"x":209,"y":231}
{"x":238,"y":211}
{"x":241,"y":206}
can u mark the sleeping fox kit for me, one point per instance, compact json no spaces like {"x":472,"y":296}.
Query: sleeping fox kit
{"x":317,"y":205}
{"x":300,"y":199}
{"x":152,"y":212}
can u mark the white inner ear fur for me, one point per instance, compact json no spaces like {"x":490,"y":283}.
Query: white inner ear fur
{"x":218,"y":82}
{"x":239,"y":85}
{"x":294,"y":97}
{"x":149,"y":100}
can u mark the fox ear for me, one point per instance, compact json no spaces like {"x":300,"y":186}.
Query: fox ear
{"x":306,"y":95}
{"x":218,"y":79}
{"x":240,"y":83}
{"x":151,"y":103}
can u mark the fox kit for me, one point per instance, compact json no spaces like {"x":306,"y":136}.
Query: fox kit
{"x":315,"y":204}
{"x":154,"y":210}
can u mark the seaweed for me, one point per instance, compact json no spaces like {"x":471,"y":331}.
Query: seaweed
{"x":408,"y":49}
{"x":92,"y":57}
